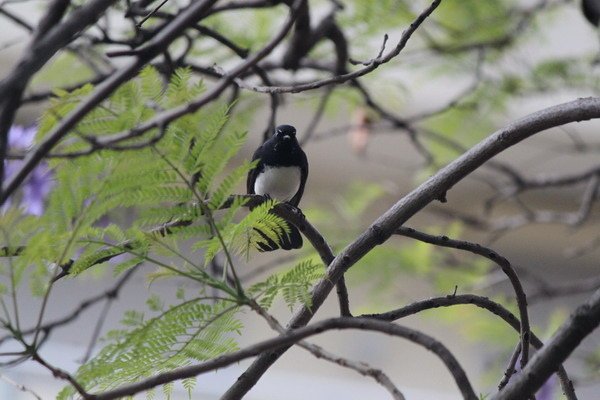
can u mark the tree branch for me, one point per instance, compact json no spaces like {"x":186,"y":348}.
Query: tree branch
{"x":46,"y":42}
{"x":372,"y":65}
{"x":496,"y":258}
{"x":20,"y":387}
{"x":108,"y":295}
{"x":582,"y":322}
{"x":154,"y":47}
{"x":479,"y":301}
{"x":319,"y":352}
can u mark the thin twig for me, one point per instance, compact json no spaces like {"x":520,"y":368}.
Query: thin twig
{"x":510,"y":369}
{"x":151,"y":13}
{"x":62,"y":374}
{"x":362,"y":368}
{"x":20,"y":387}
{"x":108,"y":294}
{"x":491,"y":255}
{"x":484,"y":303}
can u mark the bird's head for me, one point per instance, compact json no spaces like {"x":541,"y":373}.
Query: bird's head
{"x":285,"y":132}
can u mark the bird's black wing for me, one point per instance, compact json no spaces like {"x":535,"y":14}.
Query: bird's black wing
{"x":591,"y":11}
{"x":303,"y":176}
{"x":253,"y":173}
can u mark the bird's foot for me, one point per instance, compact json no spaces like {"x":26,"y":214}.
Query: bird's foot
{"x":297,"y":211}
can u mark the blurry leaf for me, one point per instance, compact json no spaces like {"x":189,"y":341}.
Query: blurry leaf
{"x":358,"y":197}
{"x":54,"y":71}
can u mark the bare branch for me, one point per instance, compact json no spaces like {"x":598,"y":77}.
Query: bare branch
{"x":152,"y":48}
{"x":582,"y":322}
{"x":510,"y":369}
{"x":319,"y":352}
{"x":20,"y":387}
{"x":42,"y":48}
{"x":491,"y":255}
{"x":362,"y":368}
{"x":61,"y":374}
{"x":479,"y":301}
{"x":16,"y":19}
{"x":372,"y":65}
{"x":109,"y":295}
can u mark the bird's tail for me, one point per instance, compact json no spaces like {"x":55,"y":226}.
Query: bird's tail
{"x":286,"y":241}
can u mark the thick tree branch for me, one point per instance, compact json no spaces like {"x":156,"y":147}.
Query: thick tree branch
{"x":544,"y":363}
{"x":56,"y":10}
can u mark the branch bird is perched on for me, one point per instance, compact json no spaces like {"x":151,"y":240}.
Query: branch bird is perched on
{"x":281,"y":174}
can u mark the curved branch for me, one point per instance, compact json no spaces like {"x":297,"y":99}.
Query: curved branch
{"x":320,"y":245}
{"x":288,"y":339}
{"x":496,"y":258}
{"x":361,"y":367}
{"x":479,"y":301}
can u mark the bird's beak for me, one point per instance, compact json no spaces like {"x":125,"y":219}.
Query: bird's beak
{"x":286,"y":137}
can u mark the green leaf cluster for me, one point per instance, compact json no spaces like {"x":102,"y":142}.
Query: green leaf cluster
{"x":165,"y":202}
{"x":184,"y":177}
{"x":180,"y":335}
{"x":293,"y":285}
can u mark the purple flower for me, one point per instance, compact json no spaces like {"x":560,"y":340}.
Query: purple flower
{"x":547,"y":390}
{"x":21,"y":137}
{"x":37,"y":186}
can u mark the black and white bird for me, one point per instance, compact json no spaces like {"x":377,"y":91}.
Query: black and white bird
{"x":591,"y":11}
{"x":281,"y":174}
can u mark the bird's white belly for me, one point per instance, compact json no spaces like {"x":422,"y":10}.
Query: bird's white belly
{"x":280,"y":183}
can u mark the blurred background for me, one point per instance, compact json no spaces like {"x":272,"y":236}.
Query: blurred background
{"x":531,"y":55}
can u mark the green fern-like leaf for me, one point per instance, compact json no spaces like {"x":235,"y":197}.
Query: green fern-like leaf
{"x":182,"y":178}
{"x":220,"y":194}
{"x":297,"y":282}
{"x":189,"y":384}
{"x":189,"y":331}
{"x":293,"y":285}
